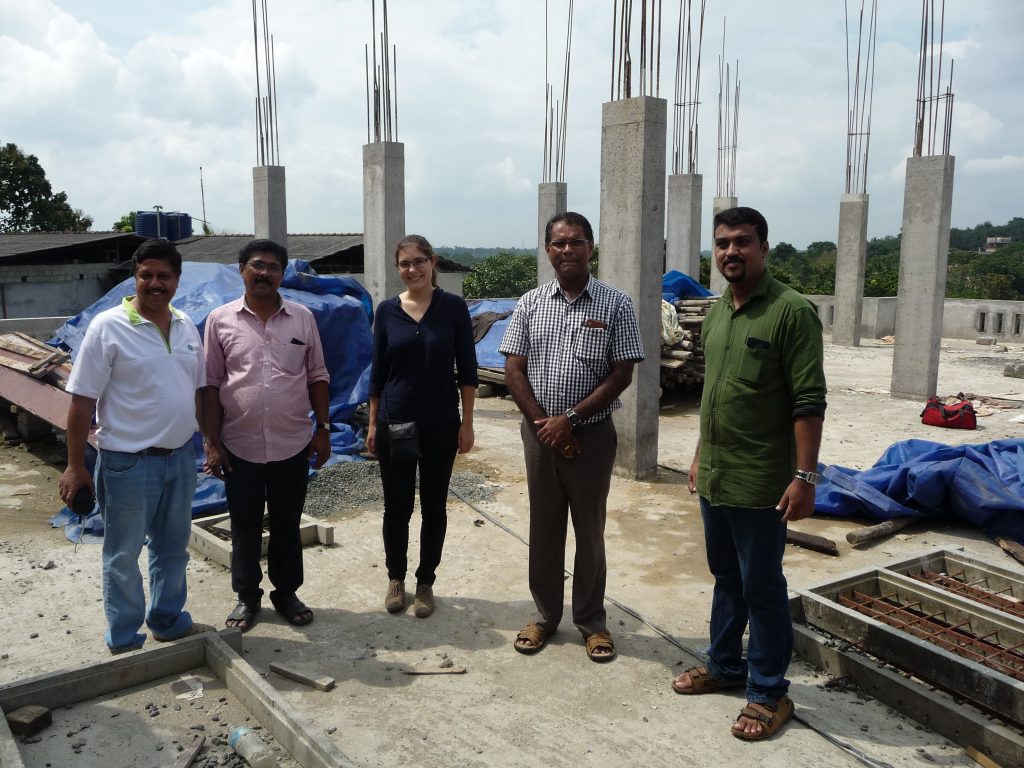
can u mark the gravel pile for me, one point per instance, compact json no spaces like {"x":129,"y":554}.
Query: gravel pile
{"x":355,"y":485}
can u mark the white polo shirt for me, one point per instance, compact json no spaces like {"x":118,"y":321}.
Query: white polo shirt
{"x":144,"y":385}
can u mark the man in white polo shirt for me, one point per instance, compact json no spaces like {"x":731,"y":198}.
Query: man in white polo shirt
{"x":140,"y":368}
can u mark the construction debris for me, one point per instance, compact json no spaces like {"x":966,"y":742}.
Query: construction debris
{"x":29,"y":720}
{"x":323,"y":683}
{"x":682,"y":361}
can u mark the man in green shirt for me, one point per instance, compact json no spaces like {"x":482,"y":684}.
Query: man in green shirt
{"x":761,"y":416}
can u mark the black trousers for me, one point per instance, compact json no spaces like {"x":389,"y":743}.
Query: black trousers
{"x":280,"y":487}
{"x":438,"y":446}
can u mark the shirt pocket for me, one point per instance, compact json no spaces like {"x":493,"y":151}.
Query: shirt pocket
{"x":290,"y":358}
{"x":592,"y":344}
{"x":756,"y":358}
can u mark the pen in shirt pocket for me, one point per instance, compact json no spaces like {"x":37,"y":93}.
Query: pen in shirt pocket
{"x":297,"y":341}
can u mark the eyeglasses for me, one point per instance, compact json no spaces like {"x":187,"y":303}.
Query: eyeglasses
{"x":418,"y":263}
{"x":262,"y":266}
{"x":559,"y":245}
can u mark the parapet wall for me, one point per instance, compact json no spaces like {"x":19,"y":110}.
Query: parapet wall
{"x":961,"y":318}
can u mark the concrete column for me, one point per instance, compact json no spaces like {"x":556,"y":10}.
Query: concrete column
{"x":682,"y":224}
{"x":270,"y":209}
{"x":383,"y":216}
{"x":632,"y":240}
{"x":718,"y":282}
{"x":850,"y":258}
{"x":552,"y":198}
{"x":924,"y":255}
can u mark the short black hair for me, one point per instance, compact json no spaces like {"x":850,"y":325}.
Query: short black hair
{"x":572,"y":218}
{"x":160,"y":249}
{"x":262,"y":245}
{"x":732,"y":217}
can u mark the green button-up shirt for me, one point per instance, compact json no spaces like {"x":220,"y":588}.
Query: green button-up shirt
{"x":763,"y":368}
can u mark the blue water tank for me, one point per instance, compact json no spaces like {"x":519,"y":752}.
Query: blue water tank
{"x":170,"y":226}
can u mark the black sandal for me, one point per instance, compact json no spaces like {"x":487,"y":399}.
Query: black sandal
{"x":244,"y":614}
{"x":293,"y":610}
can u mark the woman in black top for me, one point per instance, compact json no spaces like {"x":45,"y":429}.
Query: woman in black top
{"x":420,"y":337}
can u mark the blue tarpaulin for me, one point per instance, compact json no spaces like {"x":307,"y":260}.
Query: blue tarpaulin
{"x":980,"y":485}
{"x":676,"y":285}
{"x":343,"y":311}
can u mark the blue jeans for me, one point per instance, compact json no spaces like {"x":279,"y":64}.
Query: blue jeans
{"x":745,"y":548}
{"x":142,"y":496}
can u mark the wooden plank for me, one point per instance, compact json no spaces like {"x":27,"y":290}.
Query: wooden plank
{"x":669,"y":363}
{"x":960,"y":723}
{"x":1012,"y":548}
{"x":980,"y":759}
{"x":880,"y":531}
{"x":185,"y":758}
{"x":435,"y":671}
{"x":292,"y":730}
{"x":323,"y":683}
{"x":810,"y":541}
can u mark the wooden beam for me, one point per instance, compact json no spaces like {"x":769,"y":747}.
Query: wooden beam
{"x":880,"y":531}
{"x":810,"y":541}
{"x":323,"y":683}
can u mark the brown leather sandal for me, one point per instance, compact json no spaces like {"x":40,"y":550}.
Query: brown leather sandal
{"x":771,"y":720}
{"x":534,"y":635}
{"x":701,"y":681}
{"x":596,"y":642}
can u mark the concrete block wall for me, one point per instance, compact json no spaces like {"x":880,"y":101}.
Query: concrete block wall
{"x":41,"y":328}
{"x":961,"y":318}
{"x":48,"y":290}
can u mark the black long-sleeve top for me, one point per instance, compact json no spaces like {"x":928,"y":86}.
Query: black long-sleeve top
{"x":414,"y":364}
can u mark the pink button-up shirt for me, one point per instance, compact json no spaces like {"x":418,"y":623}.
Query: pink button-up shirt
{"x":263,"y":373}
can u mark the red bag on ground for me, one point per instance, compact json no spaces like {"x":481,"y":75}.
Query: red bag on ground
{"x":959,"y":415}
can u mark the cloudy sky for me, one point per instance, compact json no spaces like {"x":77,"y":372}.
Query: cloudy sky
{"x":123,"y":102}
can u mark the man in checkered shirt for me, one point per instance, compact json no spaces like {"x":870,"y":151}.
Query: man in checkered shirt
{"x":570,"y":348}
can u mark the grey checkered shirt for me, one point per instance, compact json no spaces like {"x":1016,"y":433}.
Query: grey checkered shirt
{"x":570,"y":345}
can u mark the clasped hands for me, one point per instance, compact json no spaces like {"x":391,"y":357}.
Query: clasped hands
{"x":556,"y":432}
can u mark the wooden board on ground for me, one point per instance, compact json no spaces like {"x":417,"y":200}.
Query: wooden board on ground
{"x":211,"y":536}
{"x":220,"y":652}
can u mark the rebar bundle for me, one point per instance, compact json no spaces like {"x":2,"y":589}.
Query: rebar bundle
{"x":859,"y":97}
{"x":927,"y":127}
{"x":267,"y":145}
{"x":728,"y":124}
{"x":556,"y":111}
{"x":650,"y":49}
{"x":685,"y":133}
{"x":381,"y":81}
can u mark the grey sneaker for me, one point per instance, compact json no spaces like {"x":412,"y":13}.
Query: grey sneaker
{"x":394,"y":600}
{"x":424,"y":605}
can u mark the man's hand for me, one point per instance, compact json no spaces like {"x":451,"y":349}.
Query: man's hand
{"x":797,"y":502}
{"x":466,"y":437}
{"x":691,"y":479}
{"x":217,"y":461}
{"x":73,"y":479}
{"x":320,"y":445}
{"x":571,"y":448}
{"x":553,"y":431}
{"x":371,"y":438}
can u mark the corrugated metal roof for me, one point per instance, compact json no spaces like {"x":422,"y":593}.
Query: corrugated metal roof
{"x":23,"y":243}
{"x":224,"y":248}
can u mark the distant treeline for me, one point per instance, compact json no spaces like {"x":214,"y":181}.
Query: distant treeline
{"x":970,"y":275}
{"x":471,"y":256}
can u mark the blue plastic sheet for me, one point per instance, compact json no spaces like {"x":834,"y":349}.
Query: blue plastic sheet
{"x":676,"y":285}
{"x":487,"y":355}
{"x":343,"y":312}
{"x":981,"y":485}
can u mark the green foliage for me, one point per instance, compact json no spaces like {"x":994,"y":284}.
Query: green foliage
{"x":998,"y":275}
{"x":125,"y":224}
{"x":27,"y":201}
{"x":504,"y":275}
{"x":470,"y":257}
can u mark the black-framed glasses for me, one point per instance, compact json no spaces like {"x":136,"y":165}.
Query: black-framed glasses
{"x":575,"y":244}
{"x":262,"y":266}
{"x":419,"y":263}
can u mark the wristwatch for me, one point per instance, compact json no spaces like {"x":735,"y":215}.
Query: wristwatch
{"x":323,"y":425}
{"x":573,"y":417}
{"x":811,"y":478}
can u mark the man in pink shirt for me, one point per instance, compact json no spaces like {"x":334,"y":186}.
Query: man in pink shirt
{"x":264,"y":373}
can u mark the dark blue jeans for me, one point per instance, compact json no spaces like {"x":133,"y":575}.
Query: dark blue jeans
{"x":745,"y":548}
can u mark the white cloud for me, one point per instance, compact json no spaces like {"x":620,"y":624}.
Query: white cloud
{"x":995,"y":165}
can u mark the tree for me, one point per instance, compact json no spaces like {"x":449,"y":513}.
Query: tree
{"x":125,"y":224}
{"x":27,"y":201}
{"x":503,"y":275}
